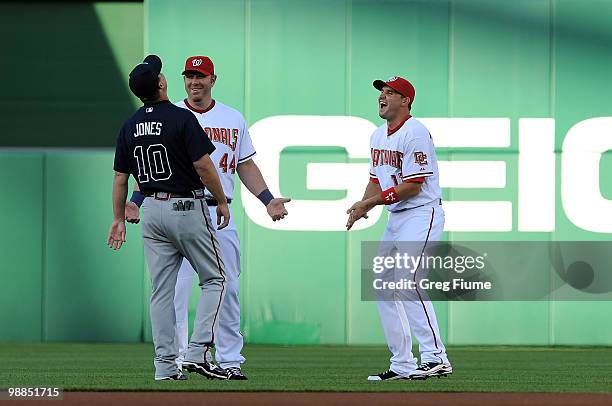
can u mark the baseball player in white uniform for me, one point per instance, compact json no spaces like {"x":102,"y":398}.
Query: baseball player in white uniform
{"x":227,"y":129}
{"x":404,"y":177}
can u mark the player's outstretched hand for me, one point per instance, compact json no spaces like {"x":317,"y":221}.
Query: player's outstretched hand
{"x":132,"y":212}
{"x":222,"y":213}
{"x":116,"y":235}
{"x":276,"y":208}
{"x":358,"y":210}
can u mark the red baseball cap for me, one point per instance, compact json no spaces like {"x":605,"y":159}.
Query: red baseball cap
{"x":201,"y":64}
{"x":399,"y":84}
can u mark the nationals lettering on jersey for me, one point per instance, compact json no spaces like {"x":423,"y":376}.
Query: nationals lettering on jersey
{"x":225,"y":136}
{"x":151,"y":146}
{"x":227,"y":130}
{"x":386,"y":157}
{"x":408,"y":153}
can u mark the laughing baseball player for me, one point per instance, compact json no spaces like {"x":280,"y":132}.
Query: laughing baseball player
{"x":404,"y":177}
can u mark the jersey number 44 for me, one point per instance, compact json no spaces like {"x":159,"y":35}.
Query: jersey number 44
{"x":232,"y":165}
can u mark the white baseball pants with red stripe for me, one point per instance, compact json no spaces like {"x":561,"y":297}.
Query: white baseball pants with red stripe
{"x":228,"y":339}
{"x":402,"y":318}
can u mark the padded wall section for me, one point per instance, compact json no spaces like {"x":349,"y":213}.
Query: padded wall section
{"x":21,"y":246}
{"x":93,"y":293}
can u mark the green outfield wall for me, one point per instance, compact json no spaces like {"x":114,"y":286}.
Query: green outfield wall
{"x":516,"y":95}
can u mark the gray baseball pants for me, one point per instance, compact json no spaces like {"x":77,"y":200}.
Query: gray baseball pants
{"x":169,"y":235}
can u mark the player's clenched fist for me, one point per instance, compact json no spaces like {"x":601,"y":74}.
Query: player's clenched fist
{"x":223,"y":216}
{"x":276,"y":208}
{"x":116,"y":235}
{"x":132,"y":212}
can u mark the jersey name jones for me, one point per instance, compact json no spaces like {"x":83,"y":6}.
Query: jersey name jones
{"x":148,"y":128}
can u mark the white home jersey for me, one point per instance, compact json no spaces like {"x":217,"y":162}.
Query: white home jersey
{"x":403,"y":154}
{"x":227,"y":130}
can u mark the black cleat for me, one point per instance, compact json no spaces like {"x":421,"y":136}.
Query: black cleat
{"x":206,"y":369}
{"x":385,"y":376}
{"x":235,"y":374}
{"x":177,"y":377}
{"x":429,"y":369}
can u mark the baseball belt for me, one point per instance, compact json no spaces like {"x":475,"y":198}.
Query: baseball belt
{"x":415,"y":207}
{"x":214,"y":202}
{"x":194,"y":194}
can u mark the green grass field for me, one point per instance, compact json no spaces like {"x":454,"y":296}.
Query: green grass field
{"x":123,"y":367}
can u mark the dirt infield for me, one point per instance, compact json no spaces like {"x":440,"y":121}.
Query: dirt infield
{"x":319,"y":398}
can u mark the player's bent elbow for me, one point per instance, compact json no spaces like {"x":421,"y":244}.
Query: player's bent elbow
{"x":247,"y":167}
{"x":121,"y":178}
{"x":203,"y":164}
{"x":408,"y":190}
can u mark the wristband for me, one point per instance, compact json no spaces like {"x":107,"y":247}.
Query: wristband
{"x":137,"y":198}
{"x":265,"y":197}
{"x":389,"y":196}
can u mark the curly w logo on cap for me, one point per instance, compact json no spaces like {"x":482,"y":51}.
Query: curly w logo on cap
{"x":200,"y":64}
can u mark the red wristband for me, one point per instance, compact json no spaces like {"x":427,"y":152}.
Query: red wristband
{"x":389,"y":196}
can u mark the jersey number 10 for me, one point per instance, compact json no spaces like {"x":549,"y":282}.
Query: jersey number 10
{"x":153,"y":164}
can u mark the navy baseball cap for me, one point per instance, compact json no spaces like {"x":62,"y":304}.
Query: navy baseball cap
{"x":144,"y":78}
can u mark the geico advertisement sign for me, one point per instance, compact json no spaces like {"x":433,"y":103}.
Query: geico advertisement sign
{"x":581,"y":198}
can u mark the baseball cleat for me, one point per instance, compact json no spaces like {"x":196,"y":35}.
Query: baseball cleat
{"x":385,"y":376}
{"x":177,"y":377}
{"x":235,"y":374}
{"x":429,"y":369}
{"x":206,"y":369}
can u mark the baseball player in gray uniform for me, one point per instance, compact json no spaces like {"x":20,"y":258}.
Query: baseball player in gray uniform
{"x":168,"y":153}
{"x":234,"y":152}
